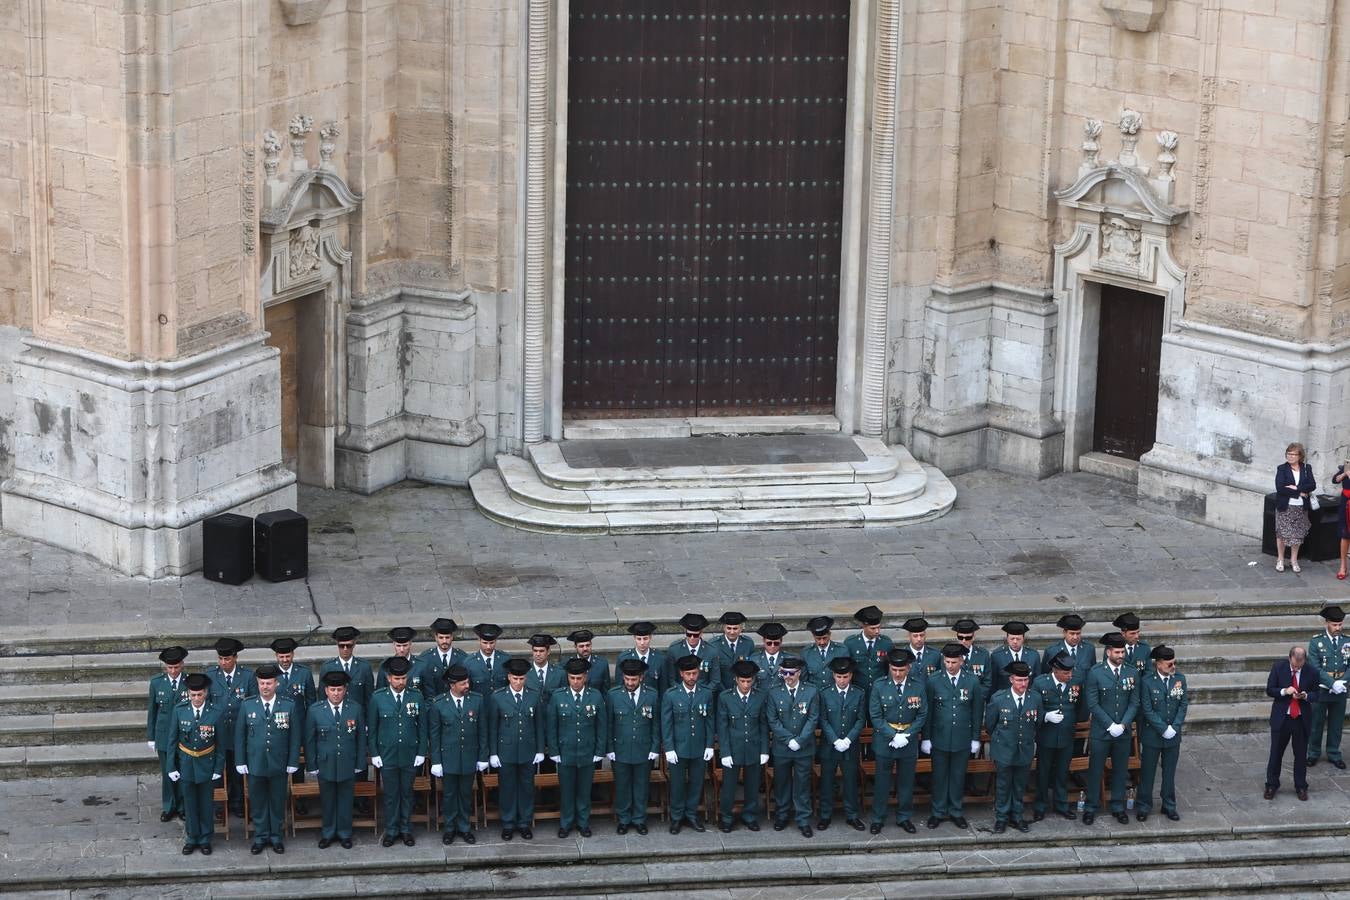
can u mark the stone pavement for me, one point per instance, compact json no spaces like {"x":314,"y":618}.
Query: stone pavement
{"x":413,"y":549}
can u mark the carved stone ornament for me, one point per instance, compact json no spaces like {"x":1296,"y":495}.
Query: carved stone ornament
{"x":1121,"y":240}
{"x":1130,"y":123}
{"x":302,"y":12}
{"x":1092,"y":129}
{"x":300,"y":126}
{"x":304,"y":252}
{"x":271,"y":145}
{"x":1127,"y":213}
{"x":1135,"y":15}
{"x":328,"y":136}
{"x":1167,"y":157}
{"x":302,"y":230}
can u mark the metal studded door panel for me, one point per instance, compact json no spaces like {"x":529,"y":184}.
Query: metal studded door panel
{"x":704,"y":196}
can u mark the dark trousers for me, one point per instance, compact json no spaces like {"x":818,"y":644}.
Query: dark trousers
{"x":1052,"y":778}
{"x":792,"y":789}
{"x":457,"y":803}
{"x":632,"y":787}
{"x":267,"y":806}
{"x":1331,"y":717}
{"x":1149,"y":758}
{"x":949,"y":782}
{"x":198,"y":812}
{"x":749,"y":777}
{"x":574,"y":783}
{"x":234,"y":785}
{"x":1010,"y":788}
{"x":1099,"y":751}
{"x":396,"y":784}
{"x":897,"y":771}
{"x":845,"y":766}
{"x":686,"y":788}
{"x":170,"y":793}
{"x":1293,"y":731}
{"x":335,"y":800}
{"x":515,"y":794}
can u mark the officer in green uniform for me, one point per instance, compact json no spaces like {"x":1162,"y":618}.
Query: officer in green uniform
{"x":198,"y":760}
{"x":1014,"y":649}
{"x":743,"y":739}
{"x":1136,"y":650}
{"x":487,"y":667}
{"x":267,"y":750}
{"x":459,"y":749}
{"x":710,"y":673}
{"x":231,"y":683}
{"x":843,"y":713}
{"x":515,"y":746}
{"x":1084,"y":656}
{"x":1329,"y":651}
{"x":167,"y":690}
{"x":398,"y":746}
{"x":575,"y":723}
{"x":361,"y":683}
{"x":335,"y":752}
{"x":898,"y":708}
{"x":955,"y":714}
{"x":868,"y":648}
{"x":927,"y":660}
{"x":634,"y":730}
{"x":1061,"y":698}
{"x":1111,"y":694}
{"x":438,"y":659}
{"x":544,"y":677}
{"x":654,"y":660}
{"x":821,"y":652}
{"x":793,"y":710}
{"x":769,"y":656}
{"x":688,"y":730}
{"x":1012,"y":718}
{"x":597,"y":667}
{"x":1164,"y":700}
{"x":731,"y":646}
{"x":978,"y":661}
{"x":402,"y":640}
{"x":295,"y":682}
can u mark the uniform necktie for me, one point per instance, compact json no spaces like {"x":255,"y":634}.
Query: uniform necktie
{"x":196,"y":711}
{"x":488,"y":660}
{"x":822,"y":652}
{"x":576,"y":698}
{"x":459,"y":704}
{"x":1073,"y":653}
{"x":540,"y":672}
{"x":268,"y":708}
{"x":635,"y":698}
{"x":773,"y":660}
{"x":229,"y":680}
{"x":953,"y":681}
{"x":745,"y":700}
{"x":1018,"y":701}
{"x":398,"y":698}
{"x":517,"y":699}
{"x":1017,"y":657}
{"x":869,"y":646}
{"x":347,"y":666}
{"x":337,"y":712}
{"x":445,"y":659}
{"x":1061,"y":687}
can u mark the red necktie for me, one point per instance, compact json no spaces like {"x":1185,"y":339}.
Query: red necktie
{"x":1293,"y":701}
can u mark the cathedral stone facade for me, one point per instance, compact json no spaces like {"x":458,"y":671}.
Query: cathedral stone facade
{"x":245,"y":244}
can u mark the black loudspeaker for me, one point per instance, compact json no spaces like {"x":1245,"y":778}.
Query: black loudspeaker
{"x":227,"y":548}
{"x":1323,"y":541}
{"x":281,"y":545}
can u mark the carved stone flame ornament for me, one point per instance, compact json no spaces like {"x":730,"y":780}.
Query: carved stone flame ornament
{"x":328,"y":136}
{"x":1092,"y":129}
{"x":271,"y":145}
{"x":300,"y":126}
{"x":1167,"y":157}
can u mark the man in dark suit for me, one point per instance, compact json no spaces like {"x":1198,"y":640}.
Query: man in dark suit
{"x":1293,"y":688}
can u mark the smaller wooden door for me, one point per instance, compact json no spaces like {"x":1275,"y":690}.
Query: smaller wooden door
{"x":280,"y":322}
{"x":1129,"y":350}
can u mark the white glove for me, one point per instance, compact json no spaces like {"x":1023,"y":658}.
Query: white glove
{"x":437,"y":770}
{"x":841,"y":745}
{"x":847,"y":742}
{"x":1169,"y":732}
{"x":151,"y":745}
{"x":377,"y":762}
{"x":1338,"y":687}
{"x":926,"y":746}
{"x":314,"y":772}
{"x":708,"y":754}
{"x":557,"y":760}
{"x":174,"y":776}
{"x":793,"y":745}
{"x":672,"y":757}
{"x":974,"y":747}
{"x":242,"y":770}
{"x":609,"y":756}
{"x":418,"y":760}
{"x":359,"y":771}
{"x":764,"y":759}
{"x":217,"y":777}
{"x":495,"y":761}
{"x":1116,"y":729}
{"x":726,"y":762}
{"x":896,"y":742}
{"x":651,"y":757}
{"x":481,"y":765}
{"x":291,"y":770}
{"x":596,"y":759}
{"x":1054,"y":717}
{"x":538,"y":758}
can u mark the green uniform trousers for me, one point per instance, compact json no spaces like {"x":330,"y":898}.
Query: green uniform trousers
{"x":745,"y":781}
{"x":632,"y":787}
{"x":949,"y":782}
{"x":1118,"y":751}
{"x":898,"y":771}
{"x":198,"y":812}
{"x":396,"y":785}
{"x":1331,"y":717}
{"x":1010,"y":787}
{"x":1149,"y":758}
{"x":1052,"y":778}
{"x":845,"y":766}
{"x":335,"y":802}
{"x":792,"y":789}
{"x":457,"y":803}
{"x":170,"y":792}
{"x":515,"y":795}
{"x":574,"y":783}
{"x":267,"y":806}
{"x":686,"y":788}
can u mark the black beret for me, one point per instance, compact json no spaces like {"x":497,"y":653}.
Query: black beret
{"x":577,"y":666}
{"x":444,"y":626}
{"x":397,"y":665}
{"x":951,"y":651}
{"x":1018,"y":669}
{"x":774,"y":631}
{"x":487,"y":631}
{"x":1164,"y":652}
{"x":744,"y":668}
{"x":541,"y":640}
{"x":1015,"y":627}
{"x":228,"y":647}
{"x":693,"y":622}
{"x":686,"y":663}
{"x":172,"y":655}
{"x":1070,"y":622}
{"x":641,"y":628}
{"x":346,"y":633}
{"x":900,"y":656}
{"x":581,"y":636}
{"x":267,"y":670}
{"x":197,"y":682}
{"x":335,"y":678}
{"x":402,"y":634}
{"x":456,"y":674}
{"x":916,"y":624}
{"x":868,"y":615}
{"x":517,"y":666}
{"x":284,"y":645}
{"x":820,"y":625}
{"x":965,"y":626}
{"x":1126,"y":621}
{"x":632,"y":666}
{"x":841,"y":665}
{"x":732,"y":618}
{"x":1113,"y":639}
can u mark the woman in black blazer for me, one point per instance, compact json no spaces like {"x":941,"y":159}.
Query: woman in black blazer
{"x":1294,"y":483}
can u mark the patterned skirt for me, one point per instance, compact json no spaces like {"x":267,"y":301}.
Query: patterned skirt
{"x":1292,"y":525}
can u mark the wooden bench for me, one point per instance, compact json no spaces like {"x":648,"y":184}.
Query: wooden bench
{"x":220,"y":800}
{"x":309,"y":789}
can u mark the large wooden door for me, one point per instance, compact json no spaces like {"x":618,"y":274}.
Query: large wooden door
{"x":1129,"y":349}
{"x":280,"y":322}
{"x":704,"y":198}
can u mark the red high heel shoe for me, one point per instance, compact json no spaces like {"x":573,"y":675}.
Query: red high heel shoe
{"x":1340,"y":576}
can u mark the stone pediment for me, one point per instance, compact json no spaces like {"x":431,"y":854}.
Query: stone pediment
{"x":315,"y":195}
{"x":1120,"y":190}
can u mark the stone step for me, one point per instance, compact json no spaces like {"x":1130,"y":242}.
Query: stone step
{"x":695,"y":426}
{"x":45,"y":729}
{"x":58,"y":697}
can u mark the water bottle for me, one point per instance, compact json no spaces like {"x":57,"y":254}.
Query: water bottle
{"x":1082,"y":800}
{"x":1129,"y":799}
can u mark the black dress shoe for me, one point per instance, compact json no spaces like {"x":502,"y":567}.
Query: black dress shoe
{"x":1141,"y":817}
{"x":875,"y":829}
{"x":1302,"y":795}
{"x":822,"y":824}
{"x":1338,"y":763}
{"x":908,"y":826}
{"x":469,"y":837}
{"x":507,"y":833}
{"x":1122,"y":818}
{"x":256,"y":849}
{"x":697,"y":825}
{"x":166,"y":817}
{"x":1270,"y":793}
{"x":724,"y":827}
{"x":325,"y":843}
{"x":1021,"y":825}
{"x":1069,"y":814}
{"x":387,"y":841}
{"x":675,"y":826}
{"x":621,"y":828}
{"x":806,"y":831}
{"x":278,"y":847}
{"x":346,"y":843}
{"x":409,"y":840}
{"x":526,"y":834}
{"x":564,"y":832}
{"x":1038,"y":816}
{"x":1173,"y":815}
{"x":779,"y":826}
{"x":933,"y":822}
{"x":188,"y":848}
{"x":585,"y":832}
{"x":753,"y":826}
{"x":1311,"y":762}
{"x":641,"y":829}
{"x":447,"y":838}
{"x":206,"y":849}
{"x":960,"y":822}
{"x":856,"y":824}
{"x":1089,"y":818}
{"x":1000,"y":827}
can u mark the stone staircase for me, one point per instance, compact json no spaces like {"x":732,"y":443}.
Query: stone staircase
{"x":876,"y":485}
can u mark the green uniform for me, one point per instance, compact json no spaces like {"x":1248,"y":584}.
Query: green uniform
{"x":927,"y":662}
{"x":165,"y":695}
{"x":842,"y":716}
{"x":298,"y":686}
{"x":1012,"y":723}
{"x":870,"y":662}
{"x":1084,"y":658}
{"x":1110,"y":698}
{"x":728,"y":654}
{"x":576,"y":733}
{"x":487,"y":675}
{"x":228,"y":691}
{"x":743,"y":735}
{"x":955,"y":714}
{"x":362,"y":684}
{"x":792,"y":717}
{"x":1331,"y":656}
{"x":709,"y":666}
{"x":1000,"y":657}
{"x":1163,"y":702}
{"x":634,"y":731}
{"x":553,"y":678}
{"x":688,"y":728}
{"x":654,"y":677}
{"x":398,"y":735}
{"x":199,"y":759}
{"x":433,"y":666}
{"x":458,"y":732}
{"x":1054,"y":741}
{"x":979,"y":662}
{"x":1137,"y":658}
{"x":269,"y":744}
{"x":335,"y":751}
{"x":818,"y":671}
{"x":516,"y":738}
{"x":896,"y":709}
{"x":597,"y":676}
{"x":767,"y":678}
{"x":417,"y":679}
